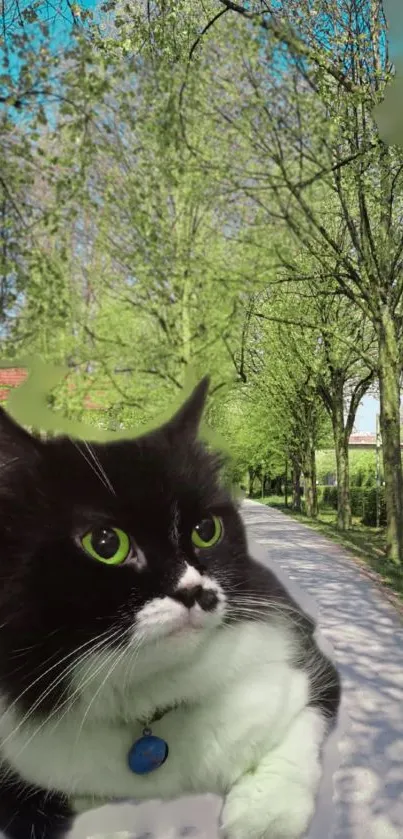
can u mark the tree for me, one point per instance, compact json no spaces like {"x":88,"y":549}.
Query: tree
{"x":320,"y":128}
{"x":284,"y":381}
{"x":144,"y":277}
{"x":333,"y":345}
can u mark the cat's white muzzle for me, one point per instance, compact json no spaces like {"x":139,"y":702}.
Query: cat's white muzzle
{"x":165,"y":616}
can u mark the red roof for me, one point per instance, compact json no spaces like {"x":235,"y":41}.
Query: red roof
{"x":365,"y":439}
{"x":12,"y":376}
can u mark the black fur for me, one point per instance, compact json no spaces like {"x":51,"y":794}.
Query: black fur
{"x":24,"y":807}
{"x":54,"y":597}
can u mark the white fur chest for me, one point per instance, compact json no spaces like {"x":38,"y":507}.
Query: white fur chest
{"x":239,"y":694}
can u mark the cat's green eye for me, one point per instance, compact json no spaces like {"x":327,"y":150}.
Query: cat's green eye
{"x":109,"y":545}
{"x":207,"y":532}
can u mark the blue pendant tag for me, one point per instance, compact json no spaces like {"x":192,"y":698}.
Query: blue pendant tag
{"x":147,"y":753}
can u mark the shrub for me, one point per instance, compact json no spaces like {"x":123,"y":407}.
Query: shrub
{"x":363,"y":503}
{"x":327,"y":497}
{"x":363,"y":468}
{"x":330,"y":497}
{"x":368,"y":506}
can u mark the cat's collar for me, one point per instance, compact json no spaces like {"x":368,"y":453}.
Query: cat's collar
{"x":158,"y":714}
{"x":149,"y":752}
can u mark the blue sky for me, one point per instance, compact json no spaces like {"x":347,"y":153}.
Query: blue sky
{"x":60,"y":28}
{"x":366,"y":415}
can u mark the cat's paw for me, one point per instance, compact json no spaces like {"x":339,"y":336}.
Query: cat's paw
{"x":267,"y":808}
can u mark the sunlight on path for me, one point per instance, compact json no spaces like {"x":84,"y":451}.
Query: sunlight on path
{"x":366,"y":633}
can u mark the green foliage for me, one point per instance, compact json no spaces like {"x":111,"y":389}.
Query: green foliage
{"x":248,"y":431}
{"x":362,"y":466}
{"x":363,"y":503}
{"x":327,"y":497}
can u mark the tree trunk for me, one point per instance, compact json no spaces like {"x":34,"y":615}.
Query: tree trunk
{"x":389,"y":375}
{"x":251,"y":473}
{"x":340,"y":435}
{"x":343,"y":481}
{"x":309,"y":469}
{"x":296,"y":486}
{"x":343,"y":484}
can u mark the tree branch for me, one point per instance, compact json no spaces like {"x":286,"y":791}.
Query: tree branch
{"x":283,"y":32}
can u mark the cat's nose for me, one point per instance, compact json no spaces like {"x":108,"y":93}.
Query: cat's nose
{"x":206,"y":598}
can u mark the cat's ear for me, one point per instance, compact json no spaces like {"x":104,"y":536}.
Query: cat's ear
{"x":15,"y":442}
{"x":186,"y":421}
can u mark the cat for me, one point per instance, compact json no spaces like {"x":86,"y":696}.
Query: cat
{"x":128,"y":602}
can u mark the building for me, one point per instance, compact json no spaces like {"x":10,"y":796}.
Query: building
{"x":10,"y":377}
{"x":362,"y":441}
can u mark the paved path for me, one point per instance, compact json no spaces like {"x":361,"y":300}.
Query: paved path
{"x":367,"y":637}
{"x":366,"y":633}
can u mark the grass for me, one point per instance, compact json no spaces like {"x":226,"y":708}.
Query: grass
{"x":367,"y":544}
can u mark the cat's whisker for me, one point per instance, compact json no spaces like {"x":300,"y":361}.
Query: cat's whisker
{"x":17,"y":651}
{"x":98,"y":691}
{"x":37,"y":666}
{"x":48,"y":718}
{"x":124,"y":636}
{"x":132,"y":660}
{"x":268,"y":604}
{"x":99,"y":466}
{"x":240,"y":587}
{"x":94,"y":464}
{"x":70,"y":700}
{"x":264,"y":610}
{"x":270,"y":609}
{"x":59,"y":678}
{"x":9,"y":462}
{"x":71,"y":654}
{"x":92,"y":665}
{"x":93,"y":668}
{"x":30,"y":713}
{"x":248,"y":614}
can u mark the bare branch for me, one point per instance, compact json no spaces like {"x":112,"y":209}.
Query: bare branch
{"x":283,"y":33}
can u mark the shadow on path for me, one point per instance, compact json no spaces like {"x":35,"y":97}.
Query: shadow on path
{"x":366,"y":633}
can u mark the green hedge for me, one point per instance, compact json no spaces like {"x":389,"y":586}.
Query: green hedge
{"x":362,"y":466}
{"x":327,"y":497}
{"x":363,"y":503}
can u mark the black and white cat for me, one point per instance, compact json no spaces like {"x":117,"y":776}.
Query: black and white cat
{"x":128,"y":600}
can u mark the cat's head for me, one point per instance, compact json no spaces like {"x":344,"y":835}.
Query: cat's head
{"x":108,"y":545}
